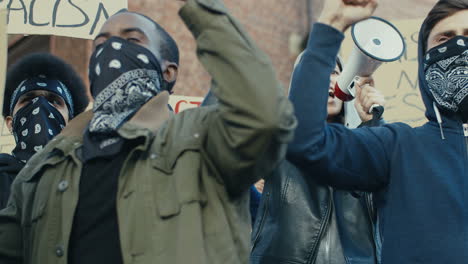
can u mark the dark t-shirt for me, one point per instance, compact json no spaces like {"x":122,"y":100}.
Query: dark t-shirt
{"x":95,"y":232}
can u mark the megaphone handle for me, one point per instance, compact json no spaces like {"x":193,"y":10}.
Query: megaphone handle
{"x":376,"y":111}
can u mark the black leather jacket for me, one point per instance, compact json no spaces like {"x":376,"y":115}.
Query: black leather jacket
{"x":298,"y":222}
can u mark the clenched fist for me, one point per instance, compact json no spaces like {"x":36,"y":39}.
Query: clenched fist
{"x":341,"y":14}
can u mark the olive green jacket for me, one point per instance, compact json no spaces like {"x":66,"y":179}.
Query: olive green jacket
{"x":183,"y":189}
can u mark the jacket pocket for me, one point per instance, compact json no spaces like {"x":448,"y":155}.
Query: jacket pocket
{"x":182,"y":186}
{"x":32,"y":214}
{"x":178,"y":176}
{"x":166,"y":199}
{"x":35,"y":204}
{"x":177,"y":200}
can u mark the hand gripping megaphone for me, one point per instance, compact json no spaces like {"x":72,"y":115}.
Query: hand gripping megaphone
{"x":376,"y":41}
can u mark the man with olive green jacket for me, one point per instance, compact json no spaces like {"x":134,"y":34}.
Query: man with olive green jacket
{"x":181,"y":182}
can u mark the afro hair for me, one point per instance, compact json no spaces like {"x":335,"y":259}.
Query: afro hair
{"x":51,"y":66}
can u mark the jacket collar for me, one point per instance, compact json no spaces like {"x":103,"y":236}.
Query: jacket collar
{"x":150,"y":117}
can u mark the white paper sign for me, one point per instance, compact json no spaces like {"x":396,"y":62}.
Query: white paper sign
{"x":71,"y":18}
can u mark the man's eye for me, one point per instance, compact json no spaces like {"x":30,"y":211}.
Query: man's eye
{"x":133,"y":40}
{"x":55,"y":101}
{"x":442,"y":39}
{"x":24,"y":99}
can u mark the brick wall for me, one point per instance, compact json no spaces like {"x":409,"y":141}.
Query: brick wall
{"x":275,"y":25}
{"x":271,"y":23}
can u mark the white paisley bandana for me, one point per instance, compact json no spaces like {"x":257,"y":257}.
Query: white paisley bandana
{"x":34,"y":125}
{"x":446,"y":70}
{"x":124,"y":76}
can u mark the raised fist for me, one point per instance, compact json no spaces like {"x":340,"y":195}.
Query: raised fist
{"x":341,"y":14}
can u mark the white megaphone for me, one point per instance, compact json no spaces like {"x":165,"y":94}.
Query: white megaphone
{"x":376,"y":41}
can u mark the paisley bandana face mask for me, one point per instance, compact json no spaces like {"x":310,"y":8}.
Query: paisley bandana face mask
{"x":446,"y":71}
{"x":33,"y":126}
{"x":42,"y":83}
{"x":123,"y":77}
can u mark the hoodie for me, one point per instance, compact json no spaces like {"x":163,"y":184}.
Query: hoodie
{"x":421,"y":178}
{"x":9,"y":168}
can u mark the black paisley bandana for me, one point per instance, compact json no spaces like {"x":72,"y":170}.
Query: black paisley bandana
{"x":41,"y":82}
{"x":123,"y":76}
{"x":446,"y":69}
{"x":33,"y":126}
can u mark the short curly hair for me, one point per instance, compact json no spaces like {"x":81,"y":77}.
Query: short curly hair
{"x":51,"y":66}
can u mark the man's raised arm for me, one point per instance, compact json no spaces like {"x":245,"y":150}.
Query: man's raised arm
{"x":349,"y":159}
{"x":254,"y":119}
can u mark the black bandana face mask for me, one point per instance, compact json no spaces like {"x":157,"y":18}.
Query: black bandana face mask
{"x":123,"y":77}
{"x":33,"y":126}
{"x":446,"y":70}
{"x":42,"y":83}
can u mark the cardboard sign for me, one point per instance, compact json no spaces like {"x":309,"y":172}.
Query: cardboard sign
{"x":181,"y":103}
{"x":3,"y":51}
{"x":399,"y":80}
{"x":71,"y":18}
{"x":6,"y":140}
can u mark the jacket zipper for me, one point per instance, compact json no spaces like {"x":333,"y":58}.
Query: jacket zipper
{"x":465,"y":132}
{"x":375,"y":234}
{"x":370,"y":207}
{"x":262,"y":220}
{"x":322,"y":227}
{"x":370,"y":211}
{"x":328,"y":237}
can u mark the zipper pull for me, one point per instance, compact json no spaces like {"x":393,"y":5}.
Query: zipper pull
{"x":465,"y":129}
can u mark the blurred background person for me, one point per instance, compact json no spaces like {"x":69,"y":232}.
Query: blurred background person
{"x":302,"y":221}
{"x":42,"y":93}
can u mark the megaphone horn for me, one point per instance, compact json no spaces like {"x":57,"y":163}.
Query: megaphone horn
{"x":376,"y":40}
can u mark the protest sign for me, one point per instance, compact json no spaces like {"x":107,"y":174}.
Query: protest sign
{"x":181,"y":103}
{"x":3,"y":51}
{"x":6,"y":140}
{"x":71,"y":18}
{"x":399,"y":80}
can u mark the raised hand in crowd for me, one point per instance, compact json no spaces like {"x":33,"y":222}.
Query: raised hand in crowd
{"x":341,"y":14}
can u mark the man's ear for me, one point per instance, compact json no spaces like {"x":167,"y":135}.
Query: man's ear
{"x":170,"y":71}
{"x":9,"y":123}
